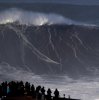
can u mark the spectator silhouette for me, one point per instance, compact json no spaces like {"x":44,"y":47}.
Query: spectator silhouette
{"x":0,"y":91}
{"x":49,"y":94}
{"x":43,"y":90}
{"x":4,"y":88}
{"x":56,"y":93}
{"x":38,"y":93}
{"x":43,"y":93}
{"x":33,"y":92}
{"x":27,"y":88}
{"x":69,"y":97}
{"x":64,"y":97}
{"x":21,"y":88}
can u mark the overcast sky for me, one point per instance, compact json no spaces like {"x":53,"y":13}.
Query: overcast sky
{"x":88,"y":2}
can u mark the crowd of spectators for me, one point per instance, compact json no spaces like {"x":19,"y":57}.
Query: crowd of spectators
{"x":12,"y":89}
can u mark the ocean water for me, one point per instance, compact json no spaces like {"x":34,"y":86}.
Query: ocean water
{"x":55,"y":45}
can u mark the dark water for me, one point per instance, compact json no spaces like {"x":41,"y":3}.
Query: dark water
{"x":56,"y":45}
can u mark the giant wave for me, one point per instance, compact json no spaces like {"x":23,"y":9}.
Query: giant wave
{"x":49,"y":49}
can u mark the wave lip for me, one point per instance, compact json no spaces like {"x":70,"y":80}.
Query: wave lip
{"x":33,"y":18}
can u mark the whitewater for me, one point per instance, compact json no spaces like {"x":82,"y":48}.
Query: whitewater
{"x":35,"y":18}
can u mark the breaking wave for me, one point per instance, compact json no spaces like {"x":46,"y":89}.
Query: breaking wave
{"x":33,"y":18}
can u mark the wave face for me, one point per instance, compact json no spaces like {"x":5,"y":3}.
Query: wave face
{"x":53,"y":48}
{"x":58,"y":48}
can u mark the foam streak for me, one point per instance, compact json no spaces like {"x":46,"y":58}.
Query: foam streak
{"x":32,"y":47}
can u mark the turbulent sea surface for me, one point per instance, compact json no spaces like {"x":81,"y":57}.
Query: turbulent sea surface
{"x":55,"y":45}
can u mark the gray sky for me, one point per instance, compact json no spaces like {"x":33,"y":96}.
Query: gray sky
{"x":88,"y":2}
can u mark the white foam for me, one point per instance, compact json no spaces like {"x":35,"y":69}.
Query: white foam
{"x":32,"y":18}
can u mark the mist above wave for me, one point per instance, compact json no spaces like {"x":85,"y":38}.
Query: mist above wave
{"x":32,"y":18}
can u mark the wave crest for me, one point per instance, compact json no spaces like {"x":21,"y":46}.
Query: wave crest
{"x":32,"y":18}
